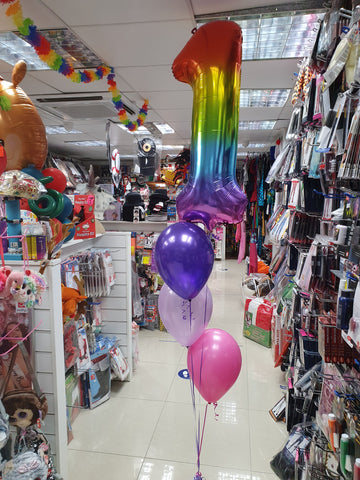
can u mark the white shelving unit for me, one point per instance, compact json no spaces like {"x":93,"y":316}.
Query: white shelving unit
{"x":47,"y":340}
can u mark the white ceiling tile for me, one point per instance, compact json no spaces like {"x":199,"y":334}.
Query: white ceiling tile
{"x":5,"y":68}
{"x":176,"y":115}
{"x":119,"y":11}
{"x":269,"y":73}
{"x":153,"y":79}
{"x":170,"y":100}
{"x":248,"y":114}
{"x":155,"y":43}
{"x":36,"y":11}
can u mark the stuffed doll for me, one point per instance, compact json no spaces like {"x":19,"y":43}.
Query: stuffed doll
{"x":70,"y":300}
{"x":14,"y":281}
{"x":40,"y":282}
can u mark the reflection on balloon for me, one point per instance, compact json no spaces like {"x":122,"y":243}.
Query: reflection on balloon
{"x":210,"y":62}
{"x":185,"y":320}
{"x":184,"y":257}
{"x":21,"y":127}
{"x":214,"y":363}
{"x":59,"y":180}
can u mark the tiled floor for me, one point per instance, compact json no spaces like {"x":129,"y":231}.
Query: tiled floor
{"x":146,"y":431}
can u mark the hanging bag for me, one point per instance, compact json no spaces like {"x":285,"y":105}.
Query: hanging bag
{"x":24,"y":407}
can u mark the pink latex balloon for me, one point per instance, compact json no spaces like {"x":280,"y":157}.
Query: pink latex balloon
{"x":214,"y":363}
{"x":185,"y":320}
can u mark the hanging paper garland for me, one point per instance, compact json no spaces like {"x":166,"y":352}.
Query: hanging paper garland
{"x":56,"y":62}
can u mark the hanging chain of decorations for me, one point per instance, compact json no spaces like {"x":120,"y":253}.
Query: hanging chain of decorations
{"x":56,"y":62}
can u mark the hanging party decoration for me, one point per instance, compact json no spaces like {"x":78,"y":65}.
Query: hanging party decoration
{"x":21,"y":127}
{"x":184,"y":257}
{"x":185,"y":320}
{"x":214,"y":363}
{"x":56,"y":62}
{"x":210,"y":62}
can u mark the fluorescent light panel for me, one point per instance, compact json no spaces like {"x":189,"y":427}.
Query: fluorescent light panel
{"x":164,"y":128}
{"x":288,"y":36}
{"x":55,"y":130}
{"x":263,"y":125}
{"x":87,"y":143}
{"x":14,"y":47}
{"x":283,"y":36}
{"x":264,"y":98}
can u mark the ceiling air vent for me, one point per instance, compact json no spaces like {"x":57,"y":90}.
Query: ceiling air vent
{"x":80,"y":107}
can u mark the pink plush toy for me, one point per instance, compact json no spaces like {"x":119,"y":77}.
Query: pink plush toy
{"x":4,"y":273}
{"x":13,"y":282}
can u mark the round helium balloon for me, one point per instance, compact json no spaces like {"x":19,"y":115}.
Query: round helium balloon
{"x":214,"y":363}
{"x":34,"y":172}
{"x":59,"y":180}
{"x":184,"y":257}
{"x":21,"y":127}
{"x":184,"y":319}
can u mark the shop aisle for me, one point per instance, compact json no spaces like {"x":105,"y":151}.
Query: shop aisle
{"x":146,"y":430}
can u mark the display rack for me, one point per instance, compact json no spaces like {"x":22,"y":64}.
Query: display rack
{"x":47,"y":340}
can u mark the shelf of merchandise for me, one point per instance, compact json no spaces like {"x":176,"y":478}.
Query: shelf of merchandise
{"x":47,"y":340}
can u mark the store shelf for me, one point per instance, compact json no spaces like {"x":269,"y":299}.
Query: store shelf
{"x":146,"y":227}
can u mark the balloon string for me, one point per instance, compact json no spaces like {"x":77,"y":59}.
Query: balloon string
{"x":190,"y":311}
{"x":202,"y":436}
{"x":197,"y":420}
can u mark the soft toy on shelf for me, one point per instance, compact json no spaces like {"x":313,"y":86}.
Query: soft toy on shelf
{"x":73,"y":300}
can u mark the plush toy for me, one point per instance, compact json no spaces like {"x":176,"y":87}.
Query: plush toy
{"x":41,"y":284}
{"x":70,"y":300}
{"x":14,"y":281}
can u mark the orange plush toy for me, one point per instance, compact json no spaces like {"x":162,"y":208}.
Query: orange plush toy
{"x":70,"y":300}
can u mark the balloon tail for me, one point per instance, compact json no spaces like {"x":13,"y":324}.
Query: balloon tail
{"x":198,"y":476}
{"x":215,"y":413}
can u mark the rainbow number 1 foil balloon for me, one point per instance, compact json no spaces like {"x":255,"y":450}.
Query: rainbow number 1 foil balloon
{"x":210,"y":62}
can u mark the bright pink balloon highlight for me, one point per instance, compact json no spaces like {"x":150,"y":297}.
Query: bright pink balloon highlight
{"x":214,"y":363}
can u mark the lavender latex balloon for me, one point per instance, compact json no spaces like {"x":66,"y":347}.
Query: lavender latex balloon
{"x":184,"y":257}
{"x":184,"y":319}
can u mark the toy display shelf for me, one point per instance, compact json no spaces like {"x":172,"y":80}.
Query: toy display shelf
{"x":47,"y":340}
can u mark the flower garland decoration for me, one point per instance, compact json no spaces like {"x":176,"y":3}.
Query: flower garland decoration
{"x":5,"y":103}
{"x":56,"y":62}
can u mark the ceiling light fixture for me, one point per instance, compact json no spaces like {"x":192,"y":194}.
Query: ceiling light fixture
{"x":56,"y":130}
{"x":263,"y":125}
{"x":264,"y":98}
{"x":164,"y":128}
{"x":87,"y":143}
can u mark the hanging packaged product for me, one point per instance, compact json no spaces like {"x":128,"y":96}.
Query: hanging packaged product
{"x":84,"y":210}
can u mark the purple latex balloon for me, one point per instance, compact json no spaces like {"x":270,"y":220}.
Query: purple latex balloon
{"x":214,"y":363}
{"x":184,"y":257}
{"x":185,"y":320}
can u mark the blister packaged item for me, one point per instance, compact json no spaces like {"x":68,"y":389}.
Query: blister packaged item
{"x":119,"y":364}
